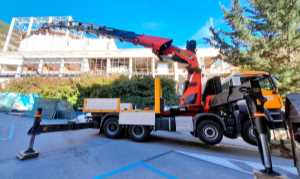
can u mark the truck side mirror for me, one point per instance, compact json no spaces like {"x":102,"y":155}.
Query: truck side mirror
{"x":235,"y":82}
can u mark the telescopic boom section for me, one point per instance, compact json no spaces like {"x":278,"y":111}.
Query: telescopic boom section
{"x":162,"y":47}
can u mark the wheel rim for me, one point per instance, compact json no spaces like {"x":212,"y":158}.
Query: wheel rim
{"x":210,"y":132}
{"x":112,"y":128}
{"x":251,"y":132}
{"x":138,"y":131}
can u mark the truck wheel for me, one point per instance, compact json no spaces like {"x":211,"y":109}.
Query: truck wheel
{"x":111,"y":128}
{"x":248,"y":133}
{"x":139,"y":133}
{"x":210,"y":132}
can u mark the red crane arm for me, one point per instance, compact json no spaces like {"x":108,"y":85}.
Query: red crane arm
{"x":182,"y":56}
{"x":162,"y":47}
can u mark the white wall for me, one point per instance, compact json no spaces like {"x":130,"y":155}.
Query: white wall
{"x":65,"y":43}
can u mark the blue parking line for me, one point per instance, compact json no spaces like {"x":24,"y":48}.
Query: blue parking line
{"x":157,"y":171}
{"x":10,"y":134}
{"x":119,"y":170}
{"x":135,"y":165}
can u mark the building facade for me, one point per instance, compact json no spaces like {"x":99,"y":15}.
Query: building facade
{"x":66,"y":53}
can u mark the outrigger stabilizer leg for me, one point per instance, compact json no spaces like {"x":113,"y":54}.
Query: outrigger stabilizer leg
{"x":263,"y":144}
{"x":30,"y":152}
{"x":259,"y":117}
{"x":37,"y":129}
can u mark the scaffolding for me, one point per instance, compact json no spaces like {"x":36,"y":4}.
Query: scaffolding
{"x":21,"y":27}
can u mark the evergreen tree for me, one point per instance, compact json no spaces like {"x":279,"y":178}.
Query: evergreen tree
{"x":263,"y":35}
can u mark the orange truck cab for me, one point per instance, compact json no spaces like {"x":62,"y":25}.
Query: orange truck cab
{"x":273,"y":104}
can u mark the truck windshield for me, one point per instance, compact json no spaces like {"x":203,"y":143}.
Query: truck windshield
{"x":267,"y":83}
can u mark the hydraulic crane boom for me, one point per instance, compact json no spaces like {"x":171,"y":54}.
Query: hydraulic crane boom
{"x":162,"y":47}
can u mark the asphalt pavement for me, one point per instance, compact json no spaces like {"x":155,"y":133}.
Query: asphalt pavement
{"x":86,"y":155}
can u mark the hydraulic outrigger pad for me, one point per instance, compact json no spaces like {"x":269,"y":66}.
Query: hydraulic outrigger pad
{"x":30,"y":152}
{"x":37,"y":129}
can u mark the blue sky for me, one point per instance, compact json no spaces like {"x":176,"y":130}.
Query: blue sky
{"x":177,"y":19}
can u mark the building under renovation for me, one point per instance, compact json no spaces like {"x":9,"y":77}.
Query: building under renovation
{"x":65,"y":53}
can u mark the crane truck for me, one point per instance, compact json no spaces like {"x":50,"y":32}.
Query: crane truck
{"x":191,"y":114}
{"x":197,"y":112}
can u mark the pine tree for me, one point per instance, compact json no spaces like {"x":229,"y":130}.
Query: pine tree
{"x":263,"y":35}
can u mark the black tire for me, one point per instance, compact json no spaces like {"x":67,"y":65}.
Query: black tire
{"x":230,"y":135}
{"x":248,"y":134}
{"x":210,"y":132}
{"x":111,"y":128}
{"x":139,"y":133}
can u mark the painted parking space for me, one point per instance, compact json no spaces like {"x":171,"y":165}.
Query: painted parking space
{"x":172,"y":165}
{"x":133,"y":166}
{"x":85,"y":154}
{"x":242,"y":166}
{"x":180,"y":164}
{"x":144,"y":164}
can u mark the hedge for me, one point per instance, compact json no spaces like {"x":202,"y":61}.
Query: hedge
{"x":137,"y":90}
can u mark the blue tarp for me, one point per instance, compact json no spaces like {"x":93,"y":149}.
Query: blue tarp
{"x":17,"y":101}
{"x":53,"y":109}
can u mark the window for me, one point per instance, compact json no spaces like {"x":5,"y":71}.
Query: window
{"x":266,"y":83}
{"x":142,"y":66}
{"x":120,"y":65}
{"x":98,"y":66}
